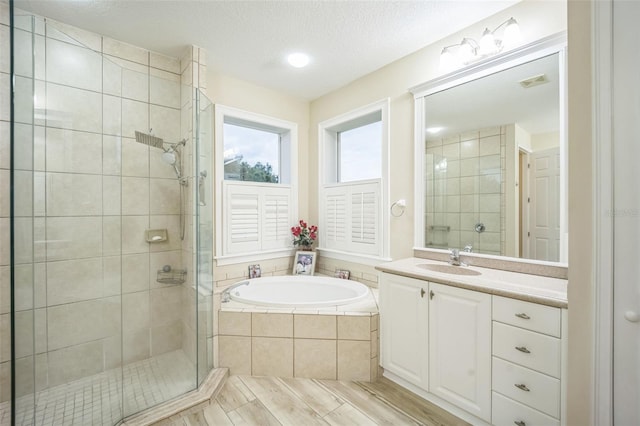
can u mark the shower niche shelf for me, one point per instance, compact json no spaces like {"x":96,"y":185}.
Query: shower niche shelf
{"x":156,"y":235}
{"x":171,"y":276}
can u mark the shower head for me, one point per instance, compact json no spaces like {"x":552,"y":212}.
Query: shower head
{"x":148,"y":139}
{"x":171,"y":154}
{"x":169,"y":157}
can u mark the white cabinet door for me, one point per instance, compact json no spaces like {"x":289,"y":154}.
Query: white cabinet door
{"x":460,"y":348}
{"x":403,"y":335}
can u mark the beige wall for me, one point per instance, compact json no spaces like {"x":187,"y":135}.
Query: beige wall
{"x":537,"y":19}
{"x":543,"y":141}
{"x":581,"y":285}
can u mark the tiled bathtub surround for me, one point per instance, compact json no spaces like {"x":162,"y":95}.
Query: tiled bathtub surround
{"x":465,"y":185}
{"x":325,"y":343}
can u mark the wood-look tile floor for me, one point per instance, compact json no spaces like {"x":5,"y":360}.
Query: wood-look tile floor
{"x":246,"y":400}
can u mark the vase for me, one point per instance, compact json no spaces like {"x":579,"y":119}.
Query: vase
{"x":306,"y":248}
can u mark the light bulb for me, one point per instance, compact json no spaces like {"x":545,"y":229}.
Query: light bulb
{"x":487,"y":43}
{"x":512,"y":34}
{"x":448,"y":61}
{"x":466,"y":51}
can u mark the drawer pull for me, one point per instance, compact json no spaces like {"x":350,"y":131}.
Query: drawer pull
{"x":523,"y":387}
{"x":520,"y":423}
{"x":523,"y":316}
{"x":523,"y":349}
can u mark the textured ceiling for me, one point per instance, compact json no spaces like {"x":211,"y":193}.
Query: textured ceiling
{"x":250,"y":39}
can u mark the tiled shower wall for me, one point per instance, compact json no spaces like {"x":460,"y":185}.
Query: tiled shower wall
{"x":465,"y":186}
{"x":96,"y":192}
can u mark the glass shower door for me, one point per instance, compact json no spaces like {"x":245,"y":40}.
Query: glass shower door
{"x":100,"y":334}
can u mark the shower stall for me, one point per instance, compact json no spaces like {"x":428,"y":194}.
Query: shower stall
{"x":111,"y":220}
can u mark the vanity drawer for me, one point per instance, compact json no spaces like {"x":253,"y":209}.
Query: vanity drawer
{"x":526,"y":386}
{"x":532,"y":316}
{"x":507,"y":412}
{"x":533,"y":350}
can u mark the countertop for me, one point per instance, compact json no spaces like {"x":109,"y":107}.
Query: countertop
{"x":531,"y":288}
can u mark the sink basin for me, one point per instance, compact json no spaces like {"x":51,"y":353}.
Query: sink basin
{"x":448,"y":269}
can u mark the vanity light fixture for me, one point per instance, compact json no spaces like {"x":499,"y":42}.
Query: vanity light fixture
{"x":469,"y":50}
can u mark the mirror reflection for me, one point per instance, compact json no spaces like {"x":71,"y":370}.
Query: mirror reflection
{"x":492,"y":164}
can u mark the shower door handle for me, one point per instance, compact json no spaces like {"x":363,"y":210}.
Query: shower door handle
{"x":201,"y":188}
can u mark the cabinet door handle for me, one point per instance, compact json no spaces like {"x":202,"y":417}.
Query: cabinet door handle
{"x":523,"y":316}
{"x":522,"y":386}
{"x":523,"y":349}
{"x":422,"y":292}
{"x":431,"y":294}
{"x":520,"y":423}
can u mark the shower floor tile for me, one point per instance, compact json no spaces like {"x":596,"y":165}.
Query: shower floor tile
{"x":98,"y":399}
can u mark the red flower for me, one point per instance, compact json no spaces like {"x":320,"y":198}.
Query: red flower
{"x":304,"y":235}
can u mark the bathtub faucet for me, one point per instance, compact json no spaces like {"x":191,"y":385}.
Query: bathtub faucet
{"x":226,"y":295}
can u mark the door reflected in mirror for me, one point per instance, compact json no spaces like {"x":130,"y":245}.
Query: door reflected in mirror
{"x":492,"y":163}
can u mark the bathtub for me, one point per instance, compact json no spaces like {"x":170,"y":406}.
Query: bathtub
{"x":298,"y":291}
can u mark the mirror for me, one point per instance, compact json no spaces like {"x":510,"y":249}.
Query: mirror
{"x":493,"y":162}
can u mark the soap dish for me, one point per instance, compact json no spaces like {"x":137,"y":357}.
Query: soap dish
{"x":156,"y":235}
{"x":174,"y":276}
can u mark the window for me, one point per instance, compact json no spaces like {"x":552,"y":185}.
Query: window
{"x":250,"y":154}
{"x":360,"y":153}
{"x":354,"y":184}
{"x":257,"y":177}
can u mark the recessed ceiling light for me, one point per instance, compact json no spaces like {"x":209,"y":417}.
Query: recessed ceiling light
{"x":298,"y":59}
{"x":434,"y":130}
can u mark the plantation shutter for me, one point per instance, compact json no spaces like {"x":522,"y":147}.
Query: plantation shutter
{"x":257,"y":217}
{"x":336,"y":219}
{"x":276,"y":220}
{"x":352,"y":217}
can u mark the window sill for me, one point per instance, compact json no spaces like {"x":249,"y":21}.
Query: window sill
{"x":234,"y":259}
{"x":353,"y":257}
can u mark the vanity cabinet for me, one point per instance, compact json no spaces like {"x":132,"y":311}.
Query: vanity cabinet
{"x":405,"y":304}
{"x":497,"y":358}
{"x":460,"y":348}
{"x":526,"y":364}
{"x":438,"y":338}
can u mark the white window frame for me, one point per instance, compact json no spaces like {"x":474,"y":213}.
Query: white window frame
{"x":328,"y":172}
{"x":288,"y":178}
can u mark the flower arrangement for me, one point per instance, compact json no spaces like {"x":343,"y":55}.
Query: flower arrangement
{"x":304,"y":235}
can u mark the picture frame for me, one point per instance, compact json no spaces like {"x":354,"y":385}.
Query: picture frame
{"x":342,"y":274}
{"x":304,"y":263}
{"x":254,"y":271}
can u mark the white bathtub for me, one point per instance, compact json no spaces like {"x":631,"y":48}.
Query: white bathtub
{"x":298,"y":291}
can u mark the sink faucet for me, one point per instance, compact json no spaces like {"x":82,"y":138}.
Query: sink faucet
{"x":454,"y":258}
